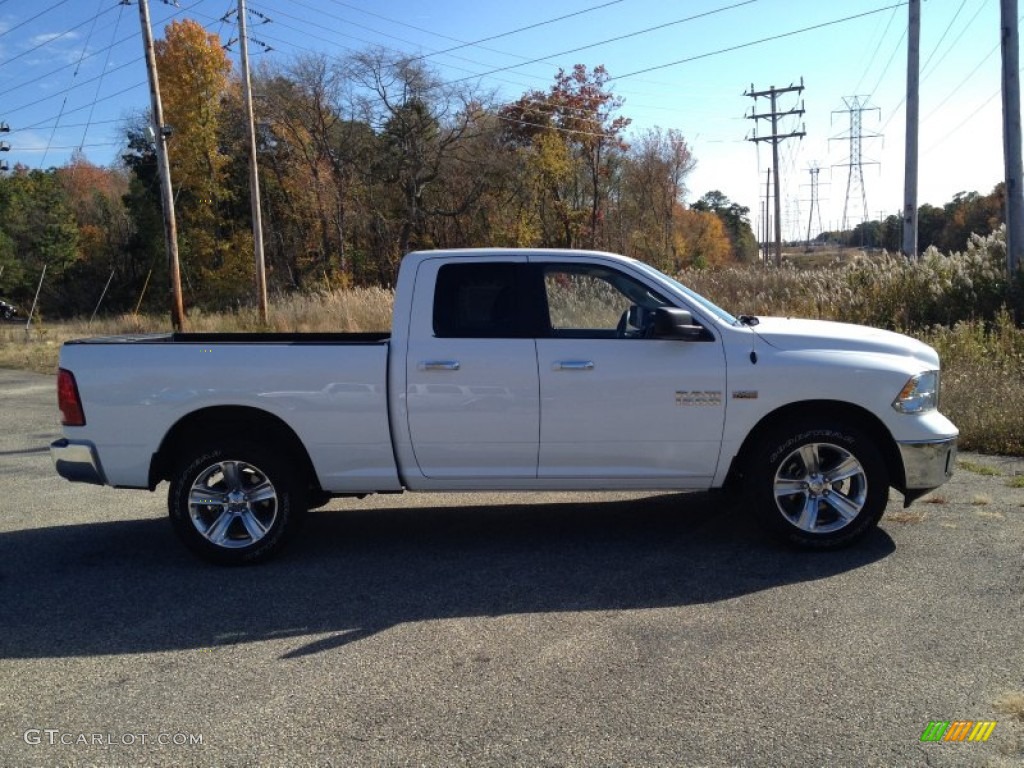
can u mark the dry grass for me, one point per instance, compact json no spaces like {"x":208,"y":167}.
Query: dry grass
{"x":353,"y":310}
{"x":907,"y":516}
{"x":1012,"y":705}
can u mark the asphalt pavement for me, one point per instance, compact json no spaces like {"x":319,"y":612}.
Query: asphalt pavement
{"x":611,"y":629}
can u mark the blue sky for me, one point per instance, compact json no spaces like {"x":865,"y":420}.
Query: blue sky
{"x":72,"y":71}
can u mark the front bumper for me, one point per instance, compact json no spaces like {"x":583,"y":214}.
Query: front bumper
{"x":77,"y":462}
{"x":927,"y":465}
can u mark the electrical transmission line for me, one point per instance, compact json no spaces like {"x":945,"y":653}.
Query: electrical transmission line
{"x":814,"y":170}
{"x":856,"y":106}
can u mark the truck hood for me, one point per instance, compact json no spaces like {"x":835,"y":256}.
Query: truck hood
{"x":791,"y":334}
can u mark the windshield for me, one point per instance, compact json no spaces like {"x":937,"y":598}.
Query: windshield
{"x":696,"y":298}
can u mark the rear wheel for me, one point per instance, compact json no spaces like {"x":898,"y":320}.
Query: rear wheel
{"x":819,"y":486}
{"x":235,"y":503}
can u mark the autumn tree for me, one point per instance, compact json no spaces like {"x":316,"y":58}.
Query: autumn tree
{"x":421,"y":123}
{"x":312,"y":152}
{"x":736,"y":219}
{"x":94,"y":196}
{"x":194,"y":80}
{"x":571,"y":138}
{"x":971,"y":213}
{"x":652,"y":184}
{"x":37,"y":229}
{"x":701,"y":239}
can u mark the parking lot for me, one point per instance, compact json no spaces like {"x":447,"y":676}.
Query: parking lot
{"x":501,"y":629}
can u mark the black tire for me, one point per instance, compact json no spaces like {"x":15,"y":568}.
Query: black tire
{"x":235,"y":503}
{"x":819,"y":485}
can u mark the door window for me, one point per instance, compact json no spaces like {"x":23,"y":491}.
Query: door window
{"x":479,"y":301}
{"x":597,"y":302}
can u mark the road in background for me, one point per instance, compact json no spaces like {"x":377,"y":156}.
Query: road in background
{"x":500,"y":629}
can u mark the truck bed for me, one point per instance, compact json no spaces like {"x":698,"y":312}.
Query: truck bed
{"x":241,"y":338}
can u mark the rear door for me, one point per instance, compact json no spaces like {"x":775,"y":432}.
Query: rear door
{"x":471,"y":371}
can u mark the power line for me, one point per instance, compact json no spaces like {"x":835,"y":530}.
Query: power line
{"x":896,"y":109}
{"x":616,"y":39}
{"x":878,"y":47}
{"x":103,"y":71}
{"x":43,"y":12}
{"x":527,"y":27}
{"x":888,"y":63}
{"x":945,"y":32}
{"x":758,"y":42}
{"x":54,"y":39}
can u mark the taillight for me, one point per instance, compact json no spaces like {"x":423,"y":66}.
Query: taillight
{"x":68,"y":401}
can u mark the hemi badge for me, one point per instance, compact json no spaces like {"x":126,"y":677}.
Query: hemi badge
{"x":698,"y":397}
{"x":744,"y":394}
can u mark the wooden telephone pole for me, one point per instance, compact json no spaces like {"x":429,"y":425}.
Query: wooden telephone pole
{"x":254,"y":177}
{"x":775,"y":137}
{"x":160,"y":135}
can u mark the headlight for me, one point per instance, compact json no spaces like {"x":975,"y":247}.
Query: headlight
{"x":919,"y":394}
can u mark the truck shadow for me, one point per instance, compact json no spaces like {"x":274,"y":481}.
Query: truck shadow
{"x":129,"y":587}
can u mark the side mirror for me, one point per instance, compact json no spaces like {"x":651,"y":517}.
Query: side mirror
{"x":673,"y":323}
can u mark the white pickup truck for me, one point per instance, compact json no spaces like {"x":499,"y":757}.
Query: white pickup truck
{"x":511,"y":370}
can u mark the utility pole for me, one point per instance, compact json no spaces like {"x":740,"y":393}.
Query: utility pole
{"x":767,"y":216}
{"x":160,"y":134}
{"x":773,"y":93}
{"x":913,"y":112}
{"x":4,"y":146}
{"x":855,"y":181}
{"x":1012,"y":135}
{"x":254,"y":178}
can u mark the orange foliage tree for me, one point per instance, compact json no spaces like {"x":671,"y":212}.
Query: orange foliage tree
{"x":215,"y":243}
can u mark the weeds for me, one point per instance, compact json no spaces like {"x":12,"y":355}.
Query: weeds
{"x":1012,"y":705}
{"x":978,"y":469}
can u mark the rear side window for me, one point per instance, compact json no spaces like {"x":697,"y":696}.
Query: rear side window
{"x":479,"y":301}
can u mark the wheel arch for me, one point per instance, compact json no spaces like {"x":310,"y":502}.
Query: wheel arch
{"x":240,"y":422}
{"x":857,"y":416}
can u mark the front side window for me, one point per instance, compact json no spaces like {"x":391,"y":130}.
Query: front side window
{"x":597,"y":302}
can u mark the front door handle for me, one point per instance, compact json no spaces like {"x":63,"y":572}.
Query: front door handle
{"x":439,"y":365}
{"x":573,"y":365}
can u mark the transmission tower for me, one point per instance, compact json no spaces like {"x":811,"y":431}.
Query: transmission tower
{"x":814,"y":170}
{"x":855,"y":107}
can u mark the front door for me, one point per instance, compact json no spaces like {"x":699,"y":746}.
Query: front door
{"x":615,"y":404}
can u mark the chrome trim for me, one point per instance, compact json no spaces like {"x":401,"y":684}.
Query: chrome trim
{"x":928,"y":465}
{"x":439,"y":365}
{"x":77,"y":462}
{"x":573,"y":365}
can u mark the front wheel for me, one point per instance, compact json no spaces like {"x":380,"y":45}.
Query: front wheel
{"x":819,"y":486}
{"x":234,"y":503}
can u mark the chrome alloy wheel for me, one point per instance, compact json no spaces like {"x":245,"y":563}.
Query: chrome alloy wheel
{"x":820,"y":488}
{"x":232,"y":504}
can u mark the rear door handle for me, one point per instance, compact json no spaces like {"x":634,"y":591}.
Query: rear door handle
{"x":573,"y":365}
{"x":439,"y":365}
